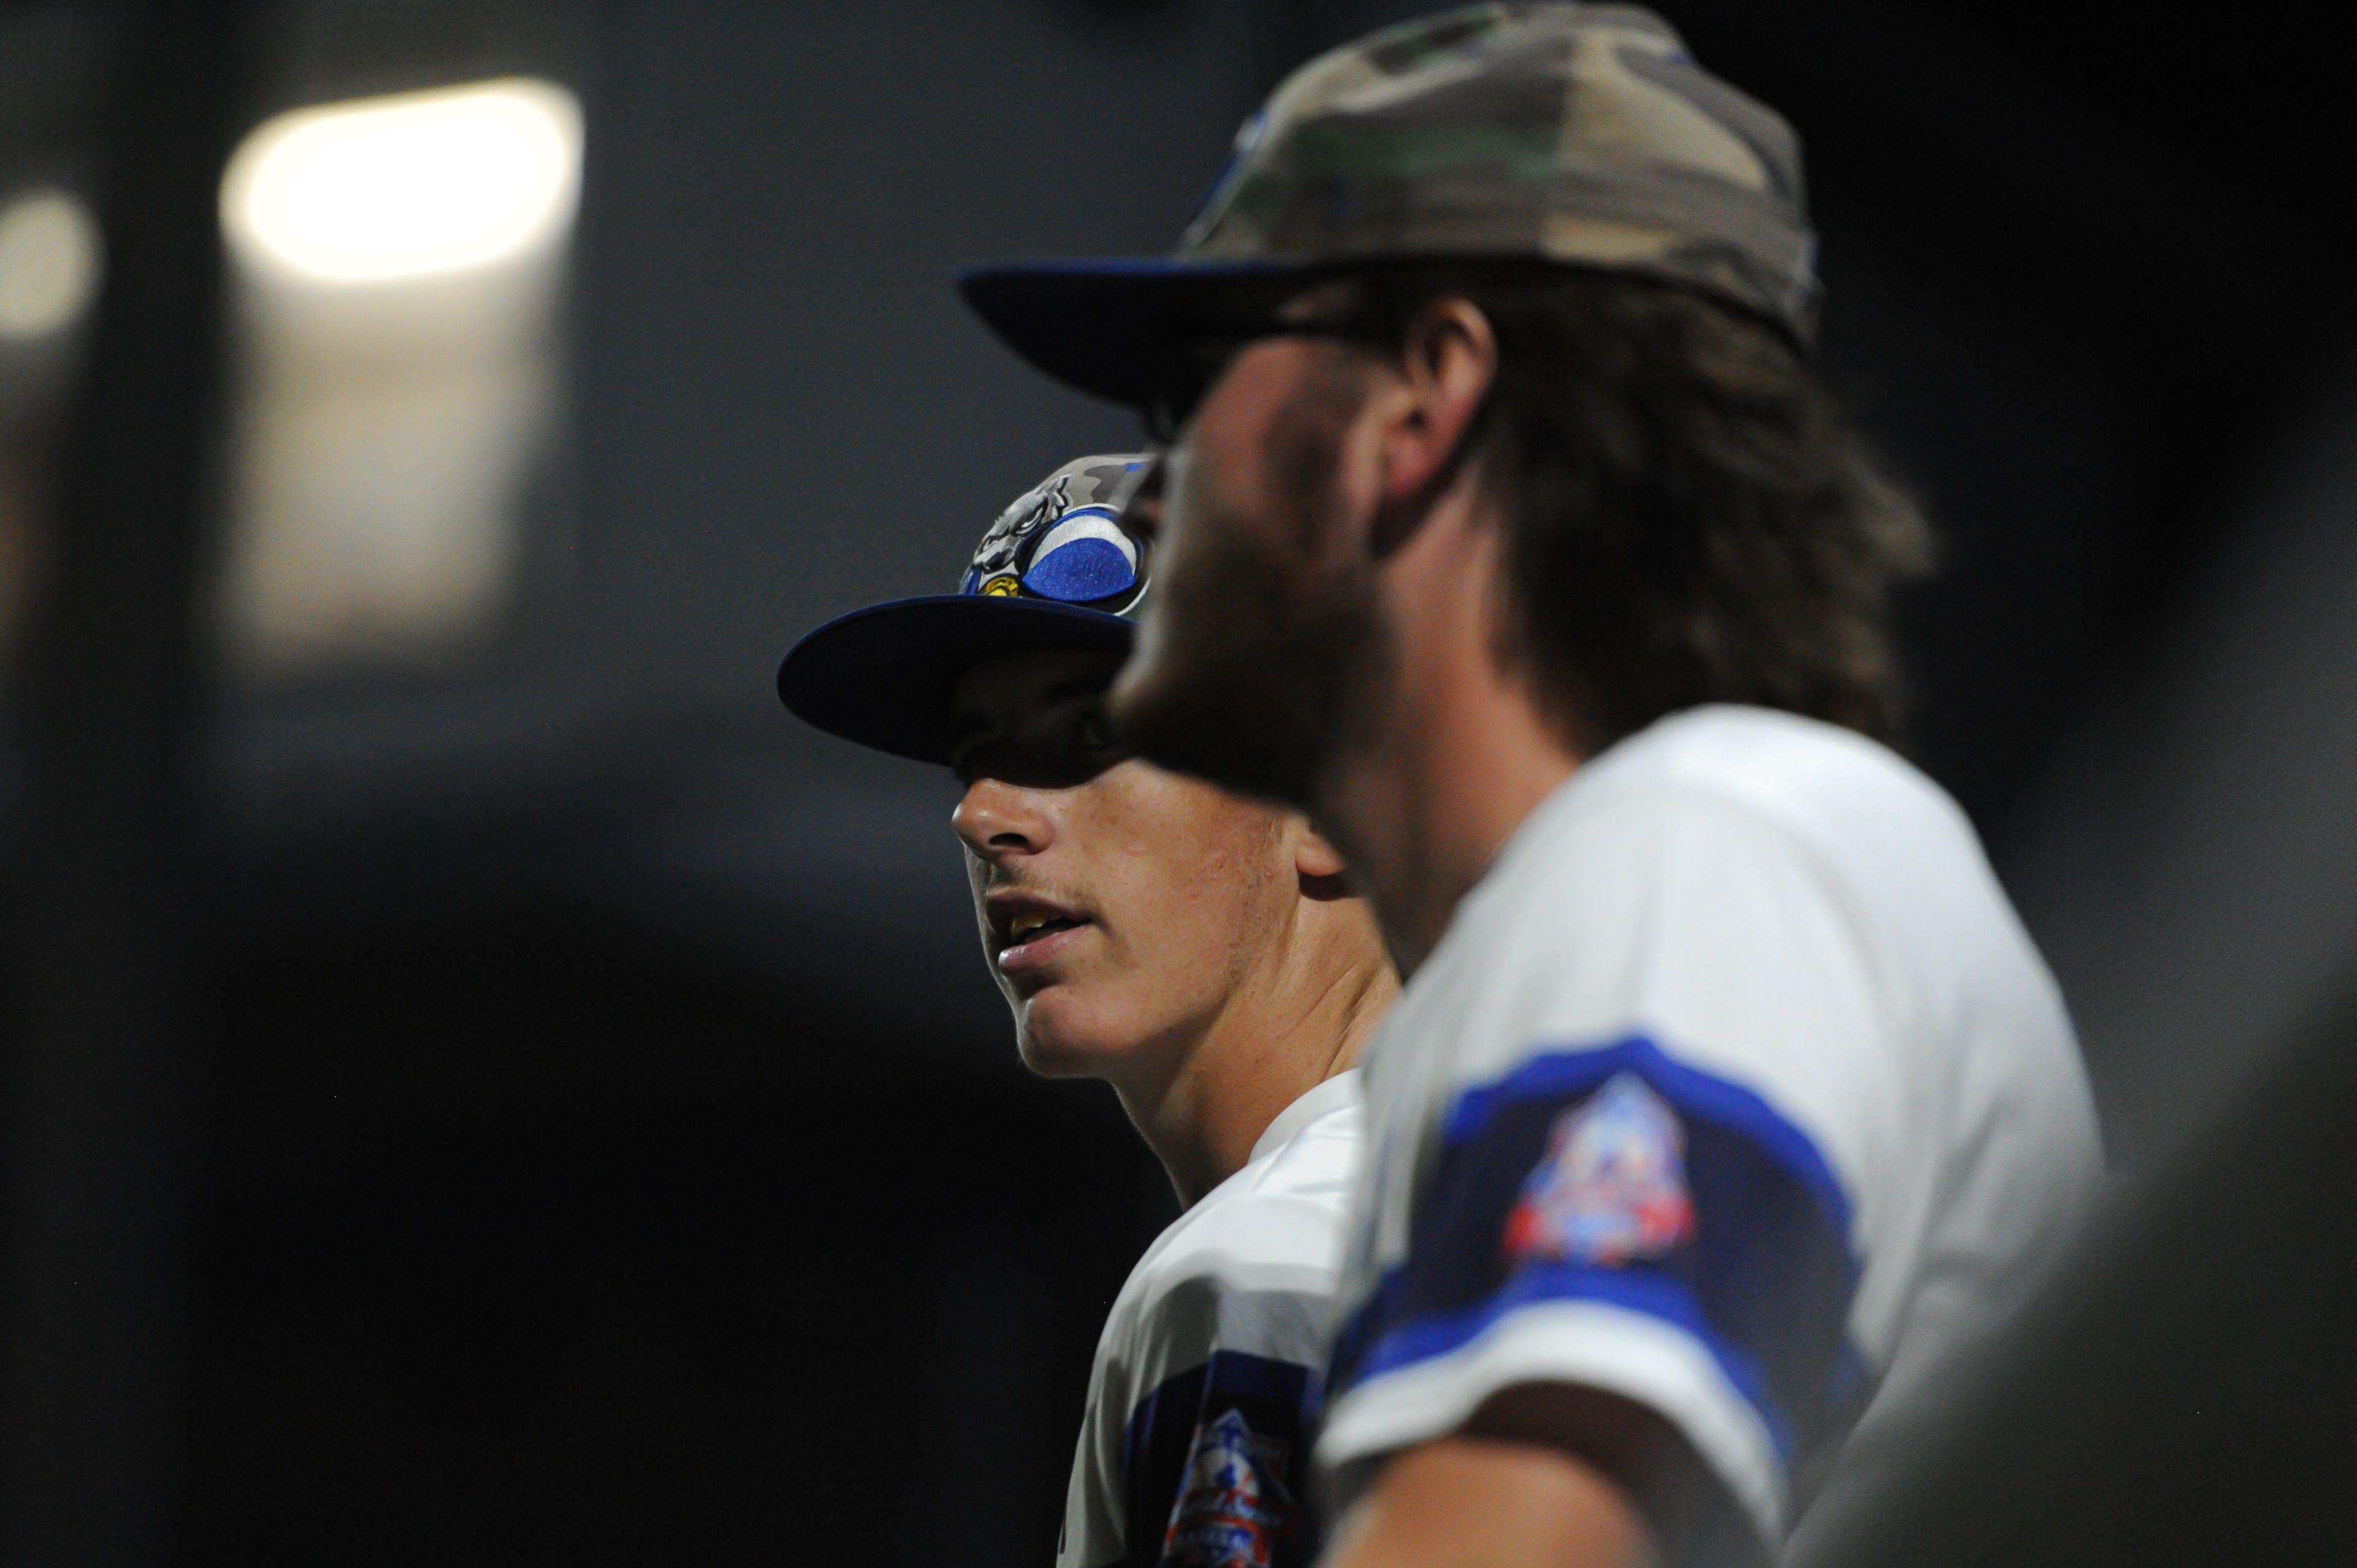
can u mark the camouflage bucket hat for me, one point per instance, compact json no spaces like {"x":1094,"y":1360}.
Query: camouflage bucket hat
{"x":1582,"y":135}
{"x":1056,"y":570}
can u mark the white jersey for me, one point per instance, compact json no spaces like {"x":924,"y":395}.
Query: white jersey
{"x":1735,"y":1088}
{"x":1194,"y":1449}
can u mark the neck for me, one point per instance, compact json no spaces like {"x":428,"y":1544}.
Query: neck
{"x":1457,"y":756}
{"x":1281,"y":1033}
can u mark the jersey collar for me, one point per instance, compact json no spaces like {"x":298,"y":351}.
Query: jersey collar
{"x":1334,"y":1094}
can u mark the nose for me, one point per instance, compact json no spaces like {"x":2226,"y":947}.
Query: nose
{"x":1001,"y":821}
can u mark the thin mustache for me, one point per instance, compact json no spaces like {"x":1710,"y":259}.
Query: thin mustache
{"x":1003,"y":886}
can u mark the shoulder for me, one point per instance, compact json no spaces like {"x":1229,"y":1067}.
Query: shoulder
{"x":1782,"y":905}
{"x":1813,"y":785}
{"x":1847,"y":849}
{"x":1739,"y":825}
{"x":1253,"y":1268}
{"x":1281,"y":1219}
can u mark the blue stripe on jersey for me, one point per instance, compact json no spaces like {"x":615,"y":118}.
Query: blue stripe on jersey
{"x":1181,"y":1418}
{"x":1698,"y":1094}
{"x":1420,"y":1339}
{"x":1764,"y":1284}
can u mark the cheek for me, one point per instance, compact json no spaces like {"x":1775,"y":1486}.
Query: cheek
{"x":1223,"y":460}
{"x":1183,"y":884}
{"x":1281,"y":475}
{"x":1194,"y":878}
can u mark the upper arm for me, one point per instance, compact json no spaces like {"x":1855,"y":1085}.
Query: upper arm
{"x":1634,"y":1232}
{"x":1216,"y":1453}
{"x":1466,"y":1500}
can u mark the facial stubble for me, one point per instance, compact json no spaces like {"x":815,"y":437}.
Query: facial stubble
{"x":1265,"y":652}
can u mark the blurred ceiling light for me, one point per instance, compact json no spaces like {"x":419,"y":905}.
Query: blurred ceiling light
{"x":48,"y":262}
{"x":412,"y":185}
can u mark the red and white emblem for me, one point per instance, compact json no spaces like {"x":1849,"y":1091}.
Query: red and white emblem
{"x":1612,"y":1188}
{"x":1233,"y":1507}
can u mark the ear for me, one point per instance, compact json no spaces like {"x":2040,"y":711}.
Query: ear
{"x":1448,"y":361}
{"x":1323,"y":875}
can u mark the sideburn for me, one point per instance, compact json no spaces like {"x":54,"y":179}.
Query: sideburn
{"x":1273,"y":649}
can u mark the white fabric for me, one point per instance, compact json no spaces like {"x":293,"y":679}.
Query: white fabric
{"x":1251,"y":1268}
{"x":1790,"y":909}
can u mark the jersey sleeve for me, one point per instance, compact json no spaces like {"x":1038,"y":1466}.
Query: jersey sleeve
{"x":1654,"y":1162}
{"x":1215,"y":1456}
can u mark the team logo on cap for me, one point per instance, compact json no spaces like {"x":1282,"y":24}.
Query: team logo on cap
{"x":1233,"y":1506}
{"x":1084,"y":556}
{"x":1064,"y":542}
{"x":1612,"y":1188}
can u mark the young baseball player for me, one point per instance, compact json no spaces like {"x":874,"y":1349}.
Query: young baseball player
{"x":1201,"y":953}
{"x":1508,"y":531}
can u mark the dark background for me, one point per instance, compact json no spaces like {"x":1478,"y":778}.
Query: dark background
{"x":590,"y":1135}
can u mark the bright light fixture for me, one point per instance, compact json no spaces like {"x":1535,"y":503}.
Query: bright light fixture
{"x":48,"y":262}
{"x":416,"y":185}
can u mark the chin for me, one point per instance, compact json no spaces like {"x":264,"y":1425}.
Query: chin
{"x":1063,"y":1037}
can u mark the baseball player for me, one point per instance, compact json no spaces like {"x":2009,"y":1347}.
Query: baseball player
{"x":1200,"y":952}
{"x":1508,"y":530}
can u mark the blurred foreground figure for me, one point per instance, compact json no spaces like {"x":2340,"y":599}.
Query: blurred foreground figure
{"x":1508,"y":531}
{"x":1200,"y":952}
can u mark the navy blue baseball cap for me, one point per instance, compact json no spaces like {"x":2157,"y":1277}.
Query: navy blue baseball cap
{"x":1059,"y":569}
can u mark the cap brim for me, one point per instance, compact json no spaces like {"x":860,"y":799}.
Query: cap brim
{"x":883,"y":676}
{"x":1101,"y":324}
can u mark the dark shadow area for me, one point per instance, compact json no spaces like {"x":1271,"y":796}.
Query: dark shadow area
{"x":2183,"y":1395}
{"x":529,"y":1242}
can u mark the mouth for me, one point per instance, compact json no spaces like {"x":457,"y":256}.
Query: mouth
{"x":1026,"y":928}
{"x":1026,"y":932}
